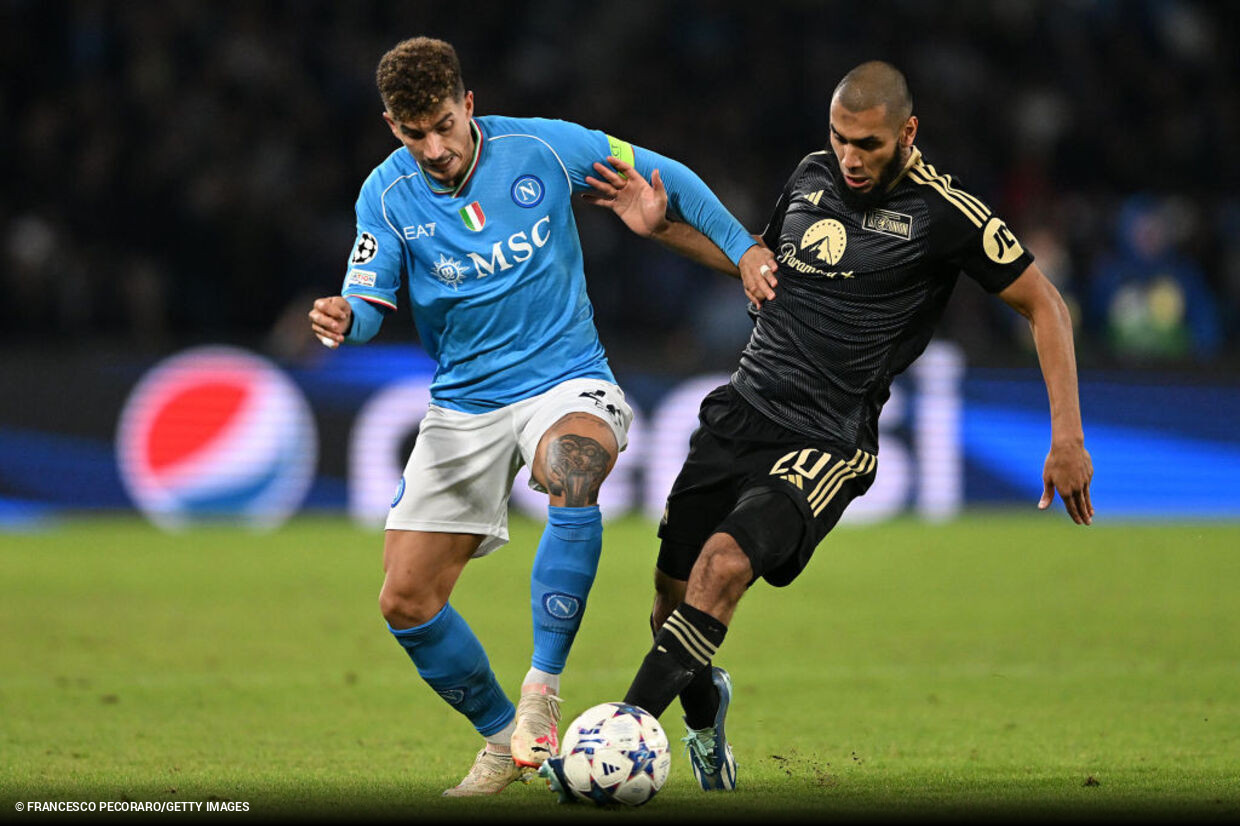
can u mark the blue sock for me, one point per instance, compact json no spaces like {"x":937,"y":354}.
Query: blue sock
{"x":451,"y":660}
{"x":564,"y":570}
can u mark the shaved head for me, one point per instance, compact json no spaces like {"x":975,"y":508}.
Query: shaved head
{"x":872,"y":127}
{"x":876,"y":83}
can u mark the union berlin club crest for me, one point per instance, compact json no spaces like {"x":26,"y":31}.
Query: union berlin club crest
{"x":473,"y":216}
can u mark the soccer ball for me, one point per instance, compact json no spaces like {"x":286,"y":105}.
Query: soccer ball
{"x":615,"y":753}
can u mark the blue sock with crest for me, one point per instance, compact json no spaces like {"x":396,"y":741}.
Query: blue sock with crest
{"x":564,"y":569}
{"x":451,"y":660}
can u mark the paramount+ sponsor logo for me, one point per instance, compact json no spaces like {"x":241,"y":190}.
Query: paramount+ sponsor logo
{"x":826,"y":240}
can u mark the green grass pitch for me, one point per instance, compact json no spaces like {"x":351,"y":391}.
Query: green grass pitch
{"x":997,"y":664}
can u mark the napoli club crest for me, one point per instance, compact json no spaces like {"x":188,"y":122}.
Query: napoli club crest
{"x":527,"y":191}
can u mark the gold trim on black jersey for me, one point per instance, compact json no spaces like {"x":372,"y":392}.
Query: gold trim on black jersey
{"x":914,"y":159}
{"x":829,"y":483}
{"x":859,"y":465}
{"x":975,"y":210}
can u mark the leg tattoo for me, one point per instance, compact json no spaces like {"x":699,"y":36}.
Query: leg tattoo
{"x":576,"y":466}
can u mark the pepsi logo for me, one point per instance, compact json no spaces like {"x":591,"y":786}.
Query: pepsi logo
{"x":216,"y":433}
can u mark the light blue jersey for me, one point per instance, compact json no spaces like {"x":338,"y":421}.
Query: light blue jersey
{"x":494,"y":267}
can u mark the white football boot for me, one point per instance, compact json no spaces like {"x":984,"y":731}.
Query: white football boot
{"x":536,"y":738}
{"x":491,"y":773}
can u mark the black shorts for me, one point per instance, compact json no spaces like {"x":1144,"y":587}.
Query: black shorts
{"x":796,"y":489}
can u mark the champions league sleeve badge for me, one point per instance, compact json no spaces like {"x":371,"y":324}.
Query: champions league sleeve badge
{"x":366,"y":250}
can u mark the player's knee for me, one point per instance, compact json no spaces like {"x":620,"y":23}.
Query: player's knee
{"x":405,"y":607}
{"x":576,"y":463}
{"x":723,"y":566}
{"x":768,"y":527}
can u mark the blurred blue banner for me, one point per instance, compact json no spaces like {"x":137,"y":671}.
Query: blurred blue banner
{"x":1159,"y":449}
{"x":219,"y":432}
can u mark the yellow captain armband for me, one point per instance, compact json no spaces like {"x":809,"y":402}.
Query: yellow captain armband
{"x":621,"y":149}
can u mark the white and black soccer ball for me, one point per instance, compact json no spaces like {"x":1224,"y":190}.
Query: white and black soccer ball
{"x":615,"y":753}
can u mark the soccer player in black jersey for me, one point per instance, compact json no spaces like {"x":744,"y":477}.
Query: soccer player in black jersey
{"x":869,"y":240}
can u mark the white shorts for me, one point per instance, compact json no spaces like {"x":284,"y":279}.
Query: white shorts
{"x":460,"y":473}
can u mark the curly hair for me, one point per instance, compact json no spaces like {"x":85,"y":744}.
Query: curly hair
{"x":417,"y":76}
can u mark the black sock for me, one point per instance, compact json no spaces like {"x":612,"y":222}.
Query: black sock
{"x":682,"y":650}
{"x":700,"y":700}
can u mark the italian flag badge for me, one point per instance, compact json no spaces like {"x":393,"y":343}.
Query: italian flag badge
{"x":473,"y":216}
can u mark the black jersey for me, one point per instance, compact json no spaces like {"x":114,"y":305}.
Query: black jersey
{"x":860,"y":293}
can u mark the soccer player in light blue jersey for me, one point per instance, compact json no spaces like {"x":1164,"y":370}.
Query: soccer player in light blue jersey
{"x":473,"y":217}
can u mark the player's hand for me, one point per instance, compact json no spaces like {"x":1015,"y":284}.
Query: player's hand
{"x":330,"y":319}
{"x":758,"y":267}
{"x":1069,"y":470}
{"x":640,"y":204}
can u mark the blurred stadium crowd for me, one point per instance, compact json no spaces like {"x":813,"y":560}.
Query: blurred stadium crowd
{"x":183,"y":171}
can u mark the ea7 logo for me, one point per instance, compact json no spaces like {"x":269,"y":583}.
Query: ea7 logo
{"x":416,"y":231}
{"x":520,"y":245}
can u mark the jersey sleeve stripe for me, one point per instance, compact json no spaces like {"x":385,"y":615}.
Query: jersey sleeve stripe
{"x":978,"y":217}
{"x":927,"y":174}
{"x":947,"y":182}
{"x":968,"y":205}
{"x":370,"y":299}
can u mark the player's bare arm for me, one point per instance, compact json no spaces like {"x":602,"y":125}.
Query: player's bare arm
{"x":330,"y":319}
{"x":1068,"y":467}
{"x":642,"y":206}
